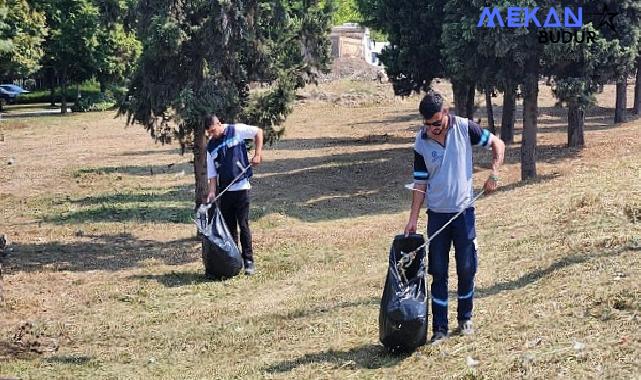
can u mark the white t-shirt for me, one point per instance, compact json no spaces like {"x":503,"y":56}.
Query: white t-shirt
{"x":241,"y":132}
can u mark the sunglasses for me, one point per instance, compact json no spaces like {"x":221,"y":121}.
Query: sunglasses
{"x":437,"y":123}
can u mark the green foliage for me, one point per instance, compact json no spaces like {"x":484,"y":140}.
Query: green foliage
{"x":23,"y":33}
{"x":576,"y":90}
{"x":378,"y":36}
{"x":87,"y":90}
{"x":627,"y":36}
{"x":347,"y":11}
{"x":5,"y":41}
{"x":579,"y":69}
{"x":200,"y":57}
{"x":489,"y":57}
{"x":118,"y":49}
{"x":102,"y":101}
{"x":70,"y":45}
{"x":414,"y":29}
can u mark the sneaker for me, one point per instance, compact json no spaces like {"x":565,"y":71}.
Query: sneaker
{"x":250,"y":268}
{"x":438,"y":338}
{"x":464,"y":328}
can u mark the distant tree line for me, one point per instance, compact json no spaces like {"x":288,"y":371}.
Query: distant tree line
{"x":61,"y":43}
{"x":441,"y":39}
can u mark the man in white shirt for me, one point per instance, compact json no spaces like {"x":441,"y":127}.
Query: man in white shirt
{"x":225,"y":151}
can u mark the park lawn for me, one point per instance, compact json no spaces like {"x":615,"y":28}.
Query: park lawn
{"x":105,"y":279}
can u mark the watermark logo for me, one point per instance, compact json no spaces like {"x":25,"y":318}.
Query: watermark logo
{"x":558,"y":25}
{"x":519,"y":17}
{"x":605,"y":18}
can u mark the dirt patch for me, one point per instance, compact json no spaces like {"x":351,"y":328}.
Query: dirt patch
{"x":351,"y":69}
{"x":26,"y":341}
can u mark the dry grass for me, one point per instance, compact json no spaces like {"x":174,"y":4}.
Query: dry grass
{"x":107,"y":272}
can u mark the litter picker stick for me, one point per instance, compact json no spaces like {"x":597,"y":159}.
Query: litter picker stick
{"x":208,"y":206}
{"x":435,"y":234}
{"x":234,"y":181}
{"x":407,"y":258}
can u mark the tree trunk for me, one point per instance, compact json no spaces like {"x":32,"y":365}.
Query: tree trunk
{"x":471,"y":98}
{"x":490,"y":110}
{"x":576,"y":122}
{"x":200,"y":167}
{"x":103,"y":86}
{"x":52,"y":95}
{"x":637,"y":89}
{"x":3,"y":243}
{"x":460,"y":97}
{"x":200,"y":162}
{"x":1,"y":285}
{"x":622,"y":100}
{"x":530,"y":114}
{"x":52,"y":88}
{"x":63,"y":107}
{"x":1,"y":281}
{"x":507,"y":121}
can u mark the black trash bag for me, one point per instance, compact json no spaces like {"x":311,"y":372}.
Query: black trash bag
{"x":221,"y":256}
{"x":402,"y":321}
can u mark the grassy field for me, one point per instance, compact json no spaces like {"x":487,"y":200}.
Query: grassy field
{"x":105,"y":279}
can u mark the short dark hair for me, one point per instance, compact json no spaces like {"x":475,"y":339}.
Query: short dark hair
{"x":209,"y":120}
{"x":431,"y":104}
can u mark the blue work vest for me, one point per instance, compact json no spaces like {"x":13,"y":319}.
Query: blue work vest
{"x":226,"y":151}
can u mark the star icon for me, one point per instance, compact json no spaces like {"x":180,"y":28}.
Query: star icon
{"x":606,"y":18}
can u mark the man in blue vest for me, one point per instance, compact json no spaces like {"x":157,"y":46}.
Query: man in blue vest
{"x":443,"y":172}
{"x":226,"y":159}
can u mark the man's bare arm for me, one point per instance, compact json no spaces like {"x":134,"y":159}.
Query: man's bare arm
{"x":258,"y":141}
{"x":498,"y":155}
{"x":212,"y":189}
{"x":418,"y":196}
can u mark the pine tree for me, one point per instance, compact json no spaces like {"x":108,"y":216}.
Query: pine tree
{"x":200,"y":57}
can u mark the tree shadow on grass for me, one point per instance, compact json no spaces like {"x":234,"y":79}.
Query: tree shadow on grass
{"x":69,"y":359}
{"x":122,"y":213}
{"x":142,"y":170}
{"x":335,"y":187}
{"x":326,"y":142}
{"x":311,"y":189}
{"x":538,"y":274}
{"x":99,"y":252}
{"x":548,"y":154}
{"x":538,"y":180}
{"x":140,"y":153}
{"x":164,"y":195}
{"x":322,"y":309}
{"x":365,"y":356}
{"x":412,"y":117}
{"x":353,"y":184}
{"x":176,"y":279}
{"x":555,"y":120}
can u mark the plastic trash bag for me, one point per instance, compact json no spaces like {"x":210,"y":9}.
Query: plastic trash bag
{"x":221,"y":256}
{"x":402,"y":320}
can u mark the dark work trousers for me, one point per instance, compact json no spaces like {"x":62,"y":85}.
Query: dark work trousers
{"x":462,"y":233}
{"x":234,"y":205}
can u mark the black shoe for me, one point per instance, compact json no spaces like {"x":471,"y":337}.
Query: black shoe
{"x":438,"y":338}
{"x":250,"y":268}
